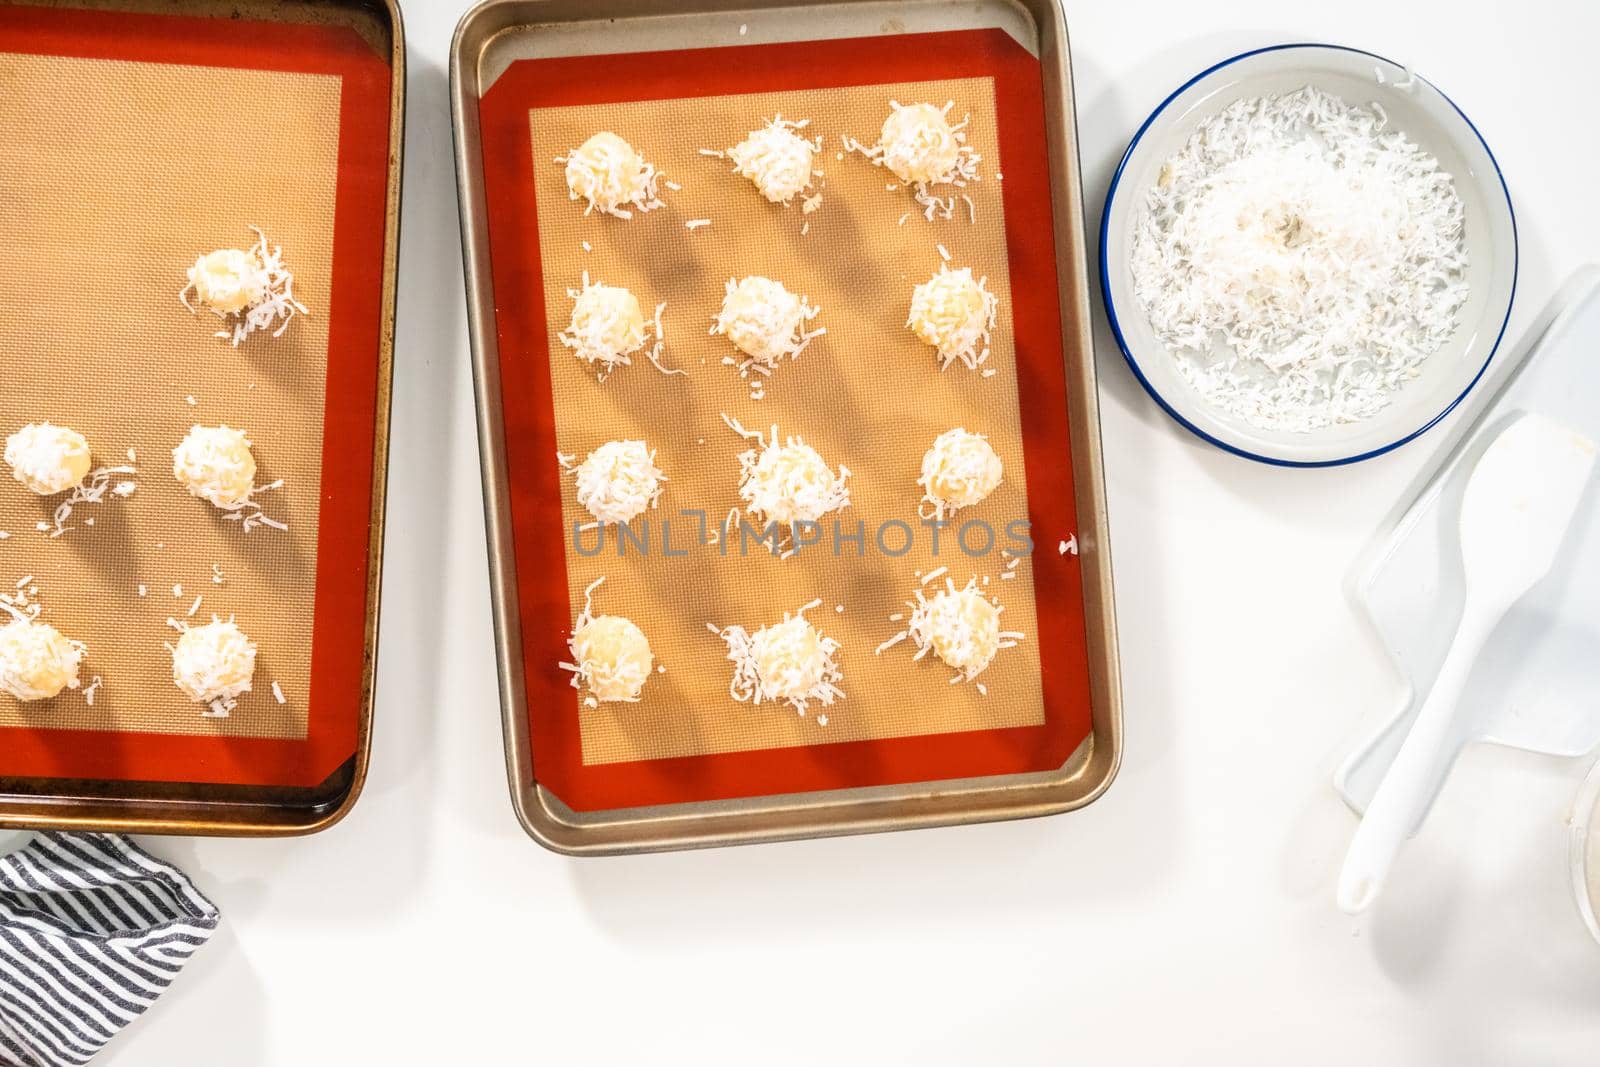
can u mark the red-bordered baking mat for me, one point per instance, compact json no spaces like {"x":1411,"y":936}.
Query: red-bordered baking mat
{"x":539,"y":539}
{"x":350,"y":414}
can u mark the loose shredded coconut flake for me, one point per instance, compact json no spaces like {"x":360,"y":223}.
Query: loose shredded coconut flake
{"x":1300,"y":259}
{"x":93,"y":491}
{"x":695,"y":224}
{"x":1069,"y":545}
{"x":277,"y":693}
{"x":249,"y":290}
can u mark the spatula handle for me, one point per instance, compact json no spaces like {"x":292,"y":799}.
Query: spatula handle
{"x":1404,"y":791}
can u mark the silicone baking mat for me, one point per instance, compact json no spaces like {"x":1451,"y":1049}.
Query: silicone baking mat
{"x":868,"y":395}
{"x":131,"y":143}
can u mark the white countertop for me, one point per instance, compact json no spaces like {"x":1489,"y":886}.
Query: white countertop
{"x":1187,"y":917}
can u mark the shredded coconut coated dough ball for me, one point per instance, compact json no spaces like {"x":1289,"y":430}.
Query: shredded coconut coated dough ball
{"x":959,"y":626}
{"x":619,"y":481}
{"x":610,"y":655}
{"x":919,"y":145}
{"x":48,"y":459}
{"x":776,"y":159}
{"x":228,"y":280}
{"x":251,"y":290}
{"x":959,"y":470}
{"x":613,"y":656}
{"x":923,"y":148}
{"x":764,"y":320}
{"x":789,"y":662}
{"x":215,"y":663}
{"x":607,"y":325}
{"x":786,"y":480}
{"x":963,"y":628}
{"x":214,"y":463}
{"x":790,"y":659}
{"x":607,"y":172}
{"x":36,"y":661}
{"x":954,"y":312}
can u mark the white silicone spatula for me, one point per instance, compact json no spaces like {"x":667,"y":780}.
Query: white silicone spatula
{"x":1515,"y":511}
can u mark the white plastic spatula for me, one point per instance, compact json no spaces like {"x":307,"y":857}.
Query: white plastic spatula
{"x":1515,"y":511}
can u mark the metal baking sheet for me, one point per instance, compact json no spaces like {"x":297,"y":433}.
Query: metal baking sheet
{"x":686,"y":766}
{"x":127,"y":154}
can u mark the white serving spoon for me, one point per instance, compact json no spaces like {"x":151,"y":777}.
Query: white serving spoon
{"x":1515,"y":512}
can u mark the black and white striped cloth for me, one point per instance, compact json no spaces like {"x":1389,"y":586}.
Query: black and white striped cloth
{"x":92,"y":930}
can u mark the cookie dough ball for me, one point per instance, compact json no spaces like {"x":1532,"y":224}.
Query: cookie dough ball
{"x":764,"y":320}
{"x":954,"y":312}
{"x":959,"y":470}
{"x":963,"y":628}
{"x":790,"y":482}
{"x":607,"y":325}
{"x":613,"y":657}
{"x":48,"y":459}
{"x":36,"y":661}
{"x":919,"y":145}
{"x":792,"y":660}
{"x":229,"y":280}
{"x":618,"y":481}
{"x":607,"y":172}
{"x":214,"y":662}
{"x":214,"y":463}
{"x":776,"y":159}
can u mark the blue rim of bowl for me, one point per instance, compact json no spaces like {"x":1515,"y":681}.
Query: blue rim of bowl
{"x":1116,"y":327}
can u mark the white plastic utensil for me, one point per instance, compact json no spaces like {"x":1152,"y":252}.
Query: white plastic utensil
{"x":1515,"y":512}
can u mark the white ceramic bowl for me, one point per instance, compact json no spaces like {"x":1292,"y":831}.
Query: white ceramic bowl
{"x":1427,"y":117}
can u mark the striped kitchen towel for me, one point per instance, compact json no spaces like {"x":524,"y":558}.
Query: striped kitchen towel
{"x":92,"y":931}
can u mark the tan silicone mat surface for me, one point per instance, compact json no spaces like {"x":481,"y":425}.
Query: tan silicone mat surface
{"x":114,"y":176}
{"x":868,"y":395}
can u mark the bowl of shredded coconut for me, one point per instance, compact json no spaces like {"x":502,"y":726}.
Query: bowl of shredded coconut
{"x":1308,"y":255}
